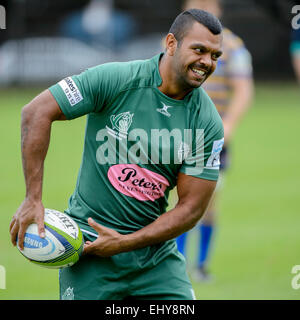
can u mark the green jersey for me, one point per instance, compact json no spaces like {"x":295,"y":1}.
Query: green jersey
{"x":137,"y":140}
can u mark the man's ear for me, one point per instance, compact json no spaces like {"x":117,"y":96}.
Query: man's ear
{"x":171,"y":44}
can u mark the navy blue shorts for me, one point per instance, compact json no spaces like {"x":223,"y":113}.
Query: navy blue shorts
{"x":224,"y":159}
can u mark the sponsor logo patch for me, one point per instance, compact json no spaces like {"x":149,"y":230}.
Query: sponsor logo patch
{"x":71,"y":91}
{"x":213,"y":161}
{"x":136,"y":182}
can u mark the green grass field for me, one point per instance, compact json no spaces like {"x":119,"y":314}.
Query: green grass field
{"x":258,"y":238}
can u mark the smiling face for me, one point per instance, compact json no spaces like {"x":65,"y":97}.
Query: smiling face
{"x":195,"y":57}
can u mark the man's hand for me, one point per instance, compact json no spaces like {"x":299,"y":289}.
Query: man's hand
{"x":107,"y":244}
{"x":28,"y":212}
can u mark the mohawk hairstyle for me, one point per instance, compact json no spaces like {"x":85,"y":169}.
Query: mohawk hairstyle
{"x":186,"y":19}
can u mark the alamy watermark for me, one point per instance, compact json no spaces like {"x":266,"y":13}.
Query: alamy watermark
{"x":2,"y":17}
{"x":296,"y":18}
{"x":133,"y":147}
{"x":2,"y":278}
{"x":296,"y":279}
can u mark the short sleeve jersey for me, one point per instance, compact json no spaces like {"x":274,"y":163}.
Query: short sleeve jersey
{"x":137,"y":140}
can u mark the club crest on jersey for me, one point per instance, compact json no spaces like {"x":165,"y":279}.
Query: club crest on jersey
{"x":120,"y":125}
{"x":164,"y":110}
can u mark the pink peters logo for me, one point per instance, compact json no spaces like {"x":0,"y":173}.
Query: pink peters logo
{"x":136,"y":182}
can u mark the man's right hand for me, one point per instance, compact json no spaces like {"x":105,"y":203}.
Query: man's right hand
{"x":29,"y":212}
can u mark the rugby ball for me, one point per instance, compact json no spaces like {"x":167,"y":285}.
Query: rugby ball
{"x":62,"y":245}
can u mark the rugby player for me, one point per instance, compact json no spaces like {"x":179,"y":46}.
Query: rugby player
{"x":150,"y":126}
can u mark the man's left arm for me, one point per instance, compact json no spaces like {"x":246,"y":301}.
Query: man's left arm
{"x":194,"y":195}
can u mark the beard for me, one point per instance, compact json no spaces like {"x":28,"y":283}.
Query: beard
{"x":185,"y":81}
{"x":186,"y":77}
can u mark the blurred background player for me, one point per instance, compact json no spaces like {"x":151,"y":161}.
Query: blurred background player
{"x":231,"y":89}
{"x":99,"y":23}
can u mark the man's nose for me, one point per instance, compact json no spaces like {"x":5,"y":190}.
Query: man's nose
{"x":206,"y":60}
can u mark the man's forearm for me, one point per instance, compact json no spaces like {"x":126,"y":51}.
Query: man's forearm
{"x":168,"y":226}
{"x":37,"y":118}
{"x":194,"y":195}
{"x":35,"y":137}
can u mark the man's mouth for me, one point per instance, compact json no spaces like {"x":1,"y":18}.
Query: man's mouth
{"x":198,"y":72}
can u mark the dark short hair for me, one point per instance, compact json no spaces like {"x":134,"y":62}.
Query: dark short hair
{"x":186,"y":19}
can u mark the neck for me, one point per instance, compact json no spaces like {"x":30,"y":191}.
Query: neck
{"x":170,"y":85}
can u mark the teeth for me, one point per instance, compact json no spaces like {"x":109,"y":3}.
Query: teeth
{"x":201,"y":73}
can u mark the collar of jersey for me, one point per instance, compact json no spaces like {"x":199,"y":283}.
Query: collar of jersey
{"x":158,"y":82}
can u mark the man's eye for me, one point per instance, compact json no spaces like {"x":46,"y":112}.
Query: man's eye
{"x":215,"y":56}
{"x":200,"y":50}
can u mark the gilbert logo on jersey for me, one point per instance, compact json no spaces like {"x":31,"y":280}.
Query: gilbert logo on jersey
{"x":164,"y":110}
